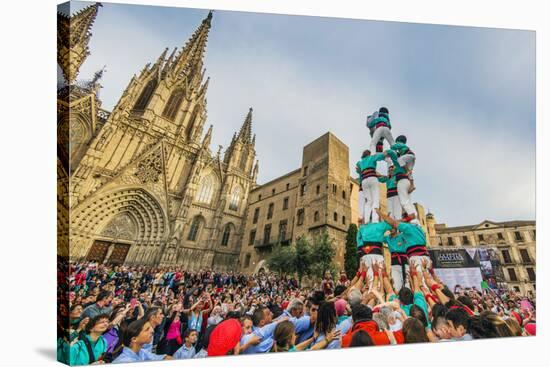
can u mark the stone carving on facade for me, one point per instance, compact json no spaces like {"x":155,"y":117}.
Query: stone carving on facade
{"x":120,"y":227}
{"x":149,"y":169}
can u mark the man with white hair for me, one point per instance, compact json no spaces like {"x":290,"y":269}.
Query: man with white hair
{"x":294,"y":309}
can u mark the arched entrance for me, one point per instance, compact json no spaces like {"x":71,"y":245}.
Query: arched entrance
{"x":127,"y":225}
{"x":115,"y":239}
{"x":261,"y":267}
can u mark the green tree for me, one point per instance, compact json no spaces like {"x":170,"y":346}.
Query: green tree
{"x":282,"y":260}
{"x":323,"y":255}
{"x":351,"y":260}
{"x":302,"y":258}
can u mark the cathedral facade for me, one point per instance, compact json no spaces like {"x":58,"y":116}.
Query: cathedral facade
{"x":140,"y":182}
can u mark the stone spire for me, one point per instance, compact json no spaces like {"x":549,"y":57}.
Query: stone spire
{"x":189,"y":61}
{"x":73,"y":36}
{"x":245,"y":133}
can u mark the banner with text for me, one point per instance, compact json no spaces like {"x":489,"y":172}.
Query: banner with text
{"x":457,"y":267}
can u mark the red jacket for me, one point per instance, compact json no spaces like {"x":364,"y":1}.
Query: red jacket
{"x":371,"y":327}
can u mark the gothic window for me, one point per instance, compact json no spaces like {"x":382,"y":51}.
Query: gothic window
{"x":207,"y":188}
{"x":316,"y":217}
{"x":146,"y":95}
{"x":226,"y":235}
{"x":195,"y":227}
{"x":244,"y":158}
{"x":191,"y":123}
{"x":235,"y":199}
{"x":173,"y":104}
{"x":335,"y":217}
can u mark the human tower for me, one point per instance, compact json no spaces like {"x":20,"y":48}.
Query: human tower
{"x":399,"y":228}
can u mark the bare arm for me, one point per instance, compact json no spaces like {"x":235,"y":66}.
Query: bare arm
{"x":329,"y":337}
{"x":303,"y":345}
{"x":385,"y":217}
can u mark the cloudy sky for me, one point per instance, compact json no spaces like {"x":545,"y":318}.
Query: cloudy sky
{"x":465,"y":97}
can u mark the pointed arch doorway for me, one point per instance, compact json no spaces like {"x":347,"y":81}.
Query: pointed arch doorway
{"x":115,"y":240}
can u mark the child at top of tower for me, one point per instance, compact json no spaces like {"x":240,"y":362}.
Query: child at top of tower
{"x":380,"y":126}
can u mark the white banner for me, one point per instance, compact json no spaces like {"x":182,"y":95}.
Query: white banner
{"x":465,"y":277}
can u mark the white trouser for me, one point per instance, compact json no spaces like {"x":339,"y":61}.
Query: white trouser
{"x":398,"y":277}
{"x":408,"y":161}
{"x":404,"y":196}
{"x":394,"y":207}
{"x":416,"y":262}
{"x":368,"y":260}
{"x":381,"y":132}
{"x":362,"y":204}
{"x":371,"y":190}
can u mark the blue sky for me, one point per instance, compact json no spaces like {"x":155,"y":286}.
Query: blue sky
{"x":464,"y":96}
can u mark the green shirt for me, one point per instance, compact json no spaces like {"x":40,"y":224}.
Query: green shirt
{"x":79,"y":352}
{"x":389,"y":181}
{"x":378,"y":120}
{"x":396,"y":244}
{"x":370,"y":161}
{"x":396,"y":167}
{"x":413,"y":234}
{"x":400,"y":148}
{"x":372,"y":232}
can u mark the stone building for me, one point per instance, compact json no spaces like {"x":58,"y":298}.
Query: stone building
{"x":514,"y":242}
{"x":141,"y":183}
{"x":319,"y":196}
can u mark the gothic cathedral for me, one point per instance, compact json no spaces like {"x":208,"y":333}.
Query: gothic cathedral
{"x":140,"y":182}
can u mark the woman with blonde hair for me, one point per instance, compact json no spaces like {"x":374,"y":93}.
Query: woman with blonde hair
{"x":501,"y":327}
{"x":514,"y":326}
